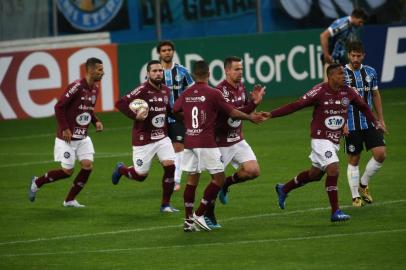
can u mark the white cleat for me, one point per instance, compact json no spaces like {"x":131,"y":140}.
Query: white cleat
{"x":32,"y":189}
{"x":199,"y":221}
{"x":73,"y":203}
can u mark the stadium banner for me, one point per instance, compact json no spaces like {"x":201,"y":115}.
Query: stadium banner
{"x":385,"y":48}
{"x":286,"y":62}
{"x":31,"y":81}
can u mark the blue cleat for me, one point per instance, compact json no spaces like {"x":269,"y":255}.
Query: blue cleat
{"x":212,"y":223}
{"x":166,"y":208}
{"x":339,"y":216}
{"x":223,"y":197}
{"x":115,"y":177}
{"x":281,"y":195}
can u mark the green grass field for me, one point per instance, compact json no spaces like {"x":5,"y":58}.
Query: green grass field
{"x":122,"y":228}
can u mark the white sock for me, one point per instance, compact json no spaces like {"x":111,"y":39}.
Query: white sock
{"x":353,"y":180}
{"x":178,"y":162}
{"x":372,"y":167}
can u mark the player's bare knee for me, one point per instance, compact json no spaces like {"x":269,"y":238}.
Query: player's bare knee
{"x":86,"y":164}
{"x":380,"y":156}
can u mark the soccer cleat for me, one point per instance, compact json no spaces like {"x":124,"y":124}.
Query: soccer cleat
{"x":73,"y":203}
{"x":223,"y":196}
{"x":189,"y":226}
{"x":357,"y":202}
{"x":281,"y":195}
{"x":168,"y":209}
{"x":176,"y":187}
{"x":364,"y":192}
{"x":212,"y":223}
{"x":199,"y":221}
{"x":339,"y":216}
{"x":32,"y":189}
{"x":115,"y":177}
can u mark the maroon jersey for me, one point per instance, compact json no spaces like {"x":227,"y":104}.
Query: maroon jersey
{"x":201,"y":105}
{"x":330,"y":110}
{"x":229,"y":131}
{"x":75,"y":109}
{"x":154,"y":127}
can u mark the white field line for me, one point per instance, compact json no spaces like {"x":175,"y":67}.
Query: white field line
{"x":233,"y":243}
{"x":104,"y":155}
{"x":284,"y":213}
{"x":16,"y":138}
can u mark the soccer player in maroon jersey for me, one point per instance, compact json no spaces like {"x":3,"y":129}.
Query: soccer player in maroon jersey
{"x":229,"y":136}
{"x":200,"y":105}
{"x":74,"y":112}
{"x":177,"y":78}
{"x":331,"y":101}
{"x":150,"y":134}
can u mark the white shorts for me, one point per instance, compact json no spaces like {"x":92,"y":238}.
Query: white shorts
{"x":324,"y":152}
{"x":237,"y":154}
{"x":143,"y":155}
{"x":197,"y":160}
{"x":67,"y":153}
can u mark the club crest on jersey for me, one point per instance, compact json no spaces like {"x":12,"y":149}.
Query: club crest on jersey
{"x":328,"y":154}
{"x":351,"y":148}
{"x":345,"y":101}
{"x":368,"y":78}
{"x":95,"y":16}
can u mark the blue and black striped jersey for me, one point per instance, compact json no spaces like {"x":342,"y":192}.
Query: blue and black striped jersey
{"x":177,"y":79}
{"x":341,"y":32}
{"x":364,"y":80}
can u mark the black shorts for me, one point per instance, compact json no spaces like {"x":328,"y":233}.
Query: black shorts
{"x":354,"y":143}
{"x":176,"y":132}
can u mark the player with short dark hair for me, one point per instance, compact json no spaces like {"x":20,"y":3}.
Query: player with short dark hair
{"x":229,"y":135}
{"x":74,"y":111}
{"x":200,"y":105}
{"x":149,"y":134}
{"x":361,"y":132}
{"x":331,"y":101}
{"x":177,"y":78}
{"x":335,"y":38}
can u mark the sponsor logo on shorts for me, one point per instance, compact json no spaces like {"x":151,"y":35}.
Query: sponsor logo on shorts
{"x":328,"y":154}
{"x":66,"y":155}
{"x":221,"y":159}
{"x":139,"y":162}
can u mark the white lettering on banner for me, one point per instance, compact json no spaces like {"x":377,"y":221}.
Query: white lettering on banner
{"x":265,"y":68}
{"x":292,"y":71}
{"x":24,"y":84}
{"x":392,"y":58}
{"x":265,"y":78}
{"x":76,"y":59}
{"x":5,"y":109}
{"x":247,"y":69}
{"x":213,"y":64}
